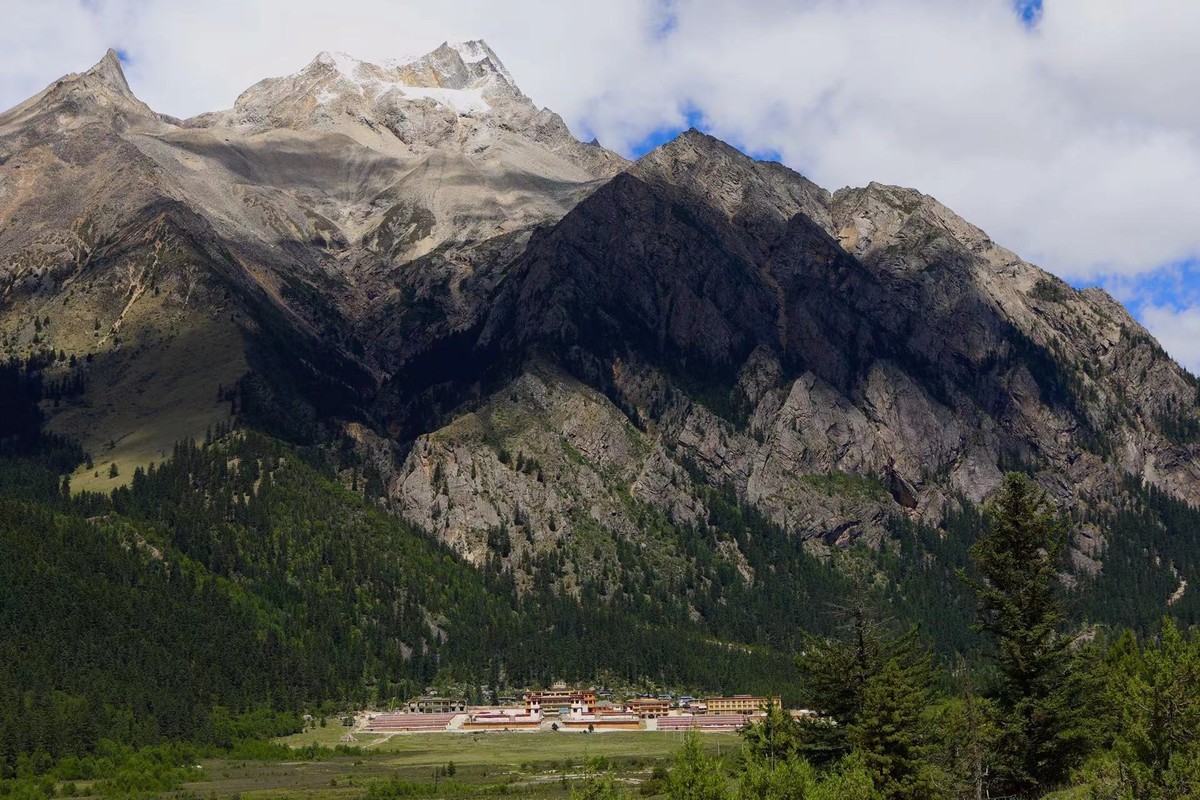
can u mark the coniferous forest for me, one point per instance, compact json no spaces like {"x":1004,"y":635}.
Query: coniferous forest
{"x":239,"y":584}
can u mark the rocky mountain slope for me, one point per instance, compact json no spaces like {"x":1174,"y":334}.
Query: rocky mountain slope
{"x":769,"y":335}
{"x":176,"y":254}
{"x":532,"y":346}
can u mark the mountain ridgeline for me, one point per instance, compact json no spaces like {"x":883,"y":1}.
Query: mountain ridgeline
{"x":480,"y":400}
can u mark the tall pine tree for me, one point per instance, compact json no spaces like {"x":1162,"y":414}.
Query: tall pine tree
{"x":892,"y":733}
{"x":694,"y":774}
{"x":1043,"y":731}
{"x":871,"y":686}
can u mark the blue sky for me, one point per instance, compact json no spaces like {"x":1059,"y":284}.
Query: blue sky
{"x":1028,"y":10}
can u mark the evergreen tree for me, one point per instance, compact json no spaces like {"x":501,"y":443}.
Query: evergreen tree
{"x":1156,"y":752}
{"x":892,"y":735}
{"x":694,"y":774}
{"x":787,"y":779}
{"x":850,"y":781}
{"x":773,"y":739}
{"x":1042,"y":732}
{"x":966,"y":726}
{"x":837,"y":672}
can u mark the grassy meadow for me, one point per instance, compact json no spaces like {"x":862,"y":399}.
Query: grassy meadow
{"x":484,"y":764}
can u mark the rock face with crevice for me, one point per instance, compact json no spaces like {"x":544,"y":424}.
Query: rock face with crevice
{"x":770,"y":335}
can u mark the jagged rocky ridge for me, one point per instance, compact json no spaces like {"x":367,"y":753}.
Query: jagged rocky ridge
{"x":524,"y":332}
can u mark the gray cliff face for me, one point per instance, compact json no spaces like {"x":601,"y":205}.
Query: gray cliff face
{"x":537,"y":346}
{"x":772,"y":335}
{"x":1114,"y":383}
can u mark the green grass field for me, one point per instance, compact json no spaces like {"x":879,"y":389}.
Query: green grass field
{"x":485,"y":764}
{"x":511,"y":748}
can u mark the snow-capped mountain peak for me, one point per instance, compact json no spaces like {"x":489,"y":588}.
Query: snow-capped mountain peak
{"x":477,"y":52}
{"x":465,"y":78}
{"x":454,"y":66}
{"x":434,"y":77}
{"x":336,"y":90}
{"x":457,"y":99}
{"x":343,"y":63}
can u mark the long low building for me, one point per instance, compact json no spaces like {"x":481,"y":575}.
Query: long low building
{"x":602,"y":721}
{"x":501,"y":719}
{"x":408,"y":723}
{"x":600,"y":726}
{"x":704,"y":722}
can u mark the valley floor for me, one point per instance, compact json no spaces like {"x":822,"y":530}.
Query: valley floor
{"x":514,"y":764}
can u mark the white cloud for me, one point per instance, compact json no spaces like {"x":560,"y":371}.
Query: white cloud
{"x":39,"y":41}
{"x":1178,"y":330}
{"x":1077,"y":143}
{"x":1051,"y":145}
{"x":186,"y":58}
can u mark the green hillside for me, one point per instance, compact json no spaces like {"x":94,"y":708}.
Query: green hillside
{"x":239,"y":584}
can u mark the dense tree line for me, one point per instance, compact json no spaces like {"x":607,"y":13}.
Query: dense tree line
{"x":1152,"y":546}
{"x":238,"y":583}
{"x":236,"y":580}
{"x":1061,"y":716}
{"x":108,"y":636}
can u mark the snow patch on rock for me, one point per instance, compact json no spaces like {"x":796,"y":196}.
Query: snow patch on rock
{"x":463,"y":101}
{"x":347,"y":65}
{"x":429,"y":77}
{"x":477,"y":51}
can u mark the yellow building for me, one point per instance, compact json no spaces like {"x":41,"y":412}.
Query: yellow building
{"x":648,"y":707}
{"x":742,"y":704}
